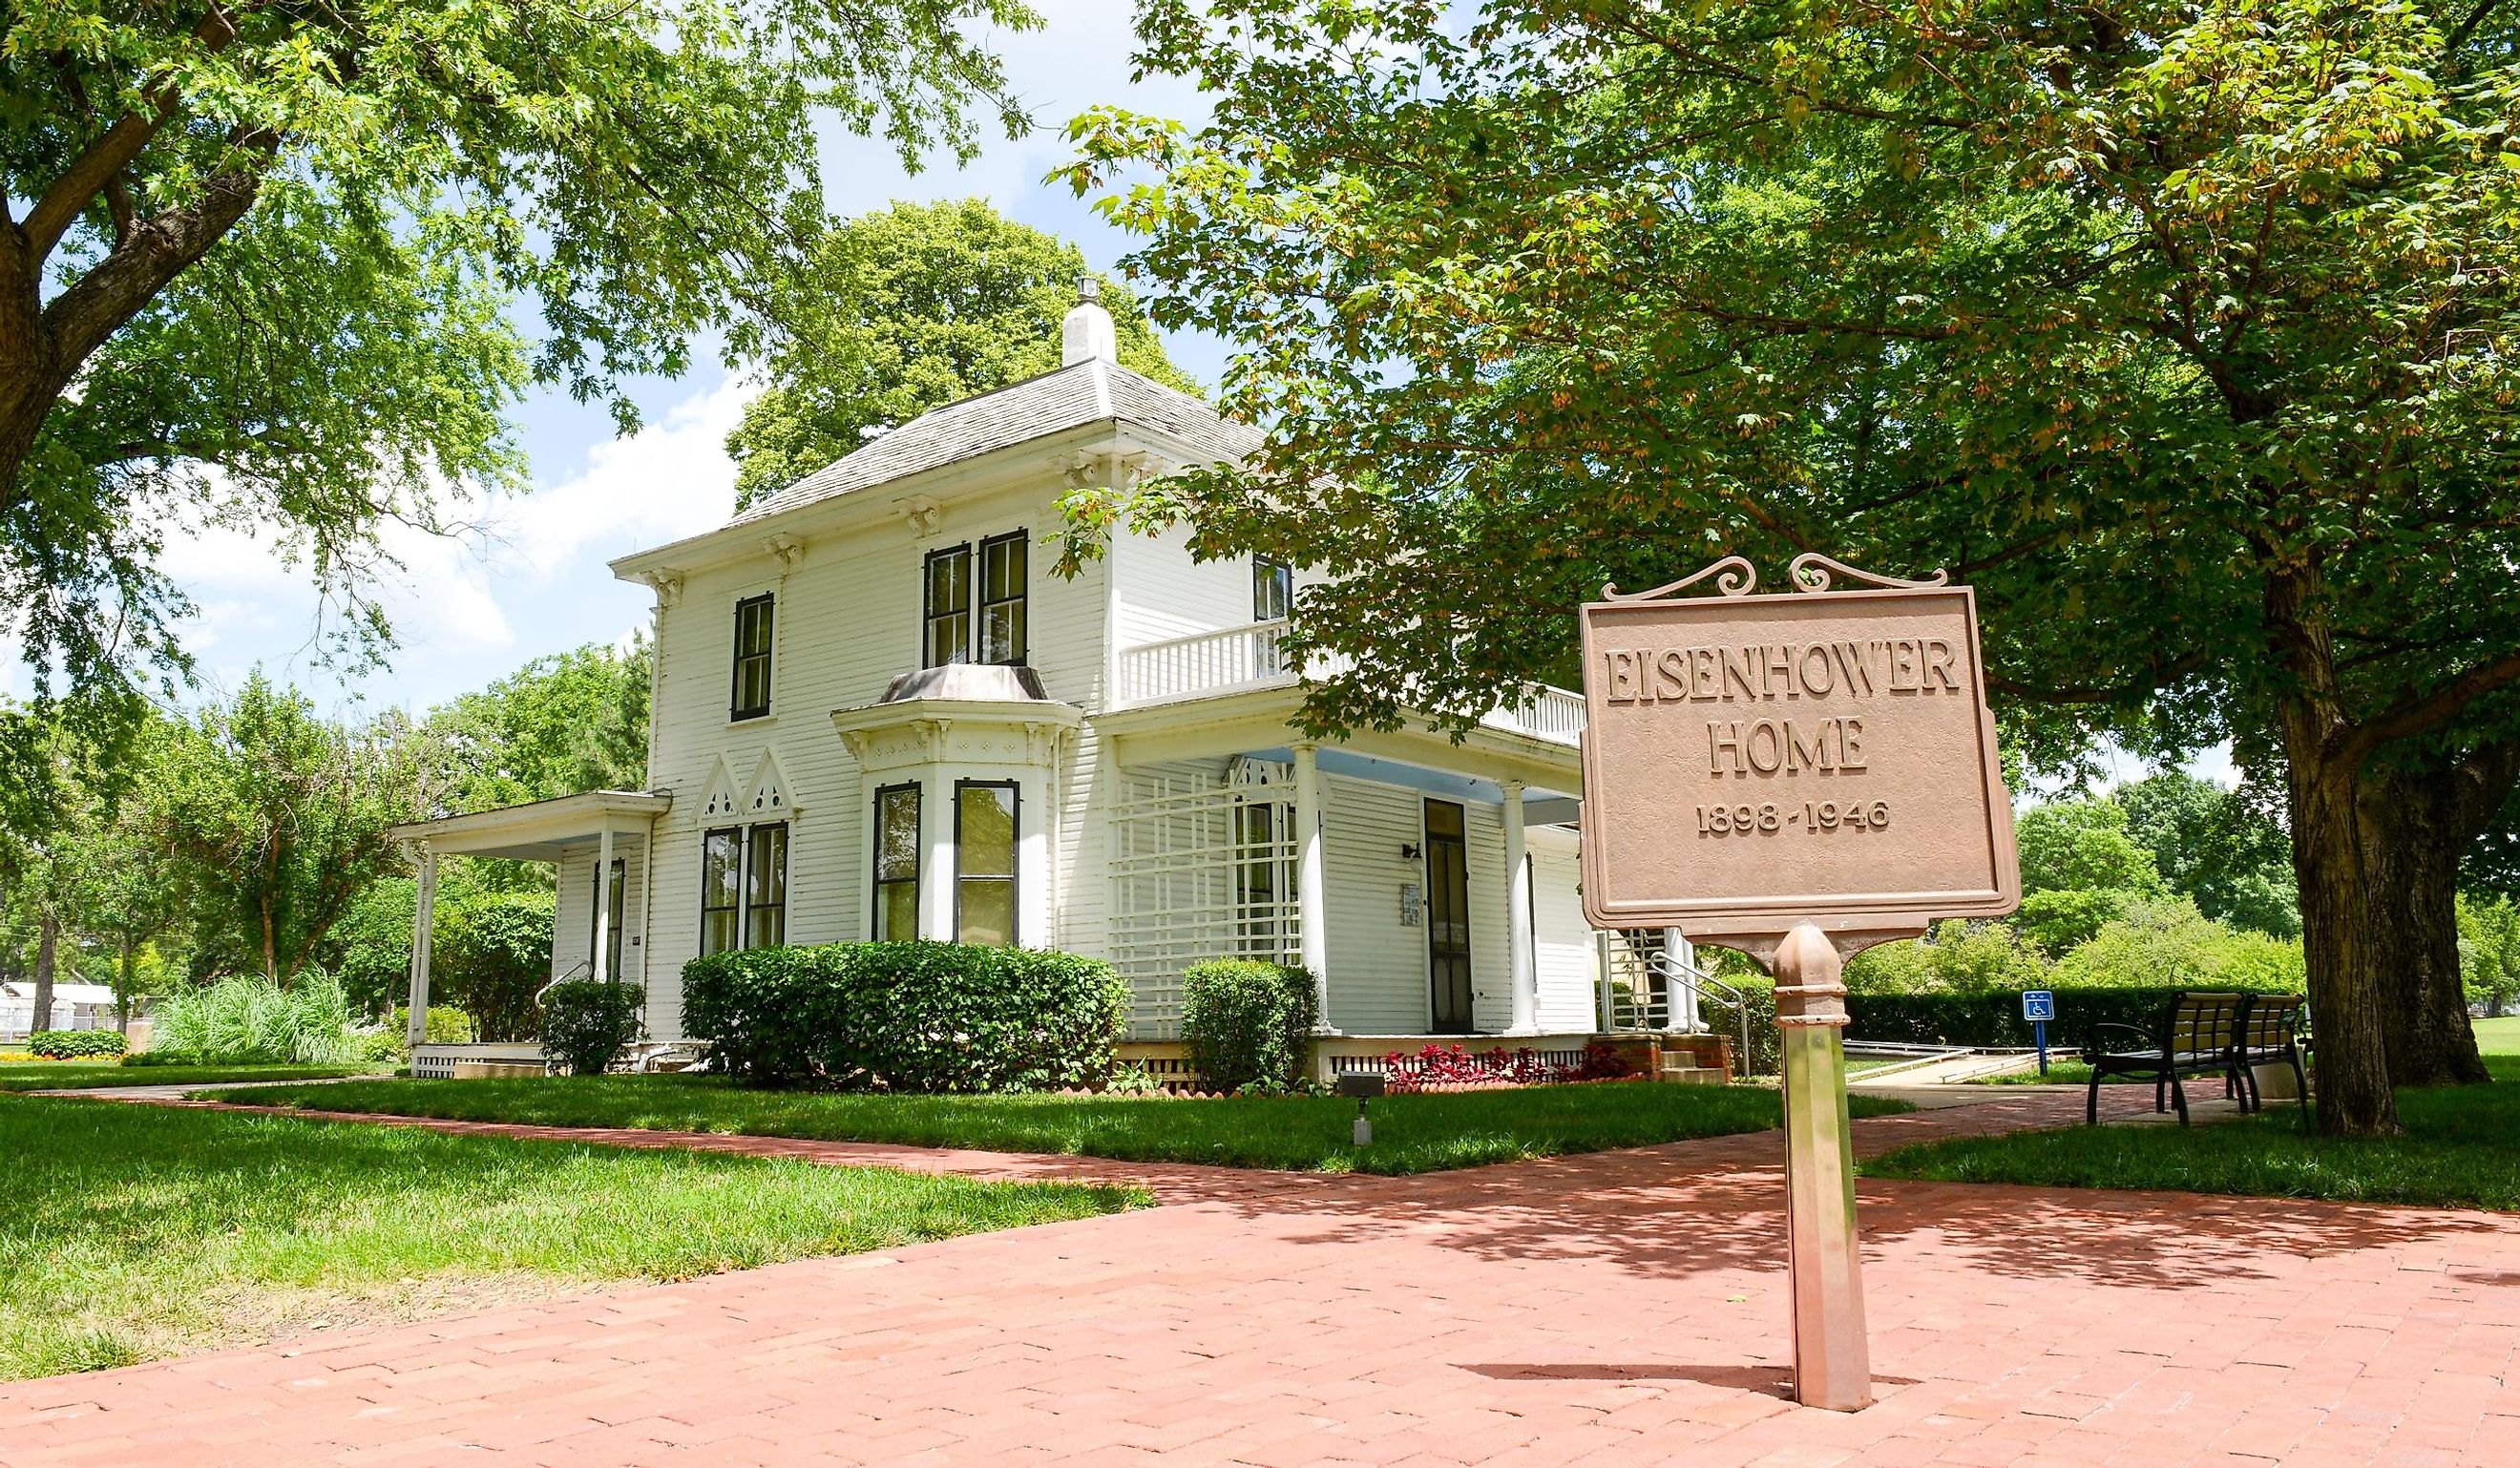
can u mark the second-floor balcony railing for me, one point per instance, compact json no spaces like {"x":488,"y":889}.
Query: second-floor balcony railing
{"x":1206,"y":664}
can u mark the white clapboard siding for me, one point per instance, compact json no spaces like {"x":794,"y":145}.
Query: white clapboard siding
{"x":1162,"y":592}
{"x":1563,"y":951}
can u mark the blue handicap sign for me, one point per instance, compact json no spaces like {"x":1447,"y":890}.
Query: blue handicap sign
{"x":2039,"y":1005}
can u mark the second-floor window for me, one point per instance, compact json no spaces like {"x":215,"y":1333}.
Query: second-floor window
{"x":1273,"y":591}
{"x":997,"y":630}
{"x":752,"y":627}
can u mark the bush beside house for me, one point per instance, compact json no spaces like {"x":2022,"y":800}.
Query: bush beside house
{"x":587,"y":1025}
{"x":1248,"y":1024}
{"x":920,"y":1016}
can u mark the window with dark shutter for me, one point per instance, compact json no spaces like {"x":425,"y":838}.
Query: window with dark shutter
{"x":949,"y":606}
{"x":753,"y":628}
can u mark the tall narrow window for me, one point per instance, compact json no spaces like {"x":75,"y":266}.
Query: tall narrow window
{"x":721,"y":889}
{"x":896,"y":863}
{"x":752,"y":625}
{"x":607,"y":916}
{"x":985,"y":845}
{"x":765,"y":887}
{"x":1262,"y":880}
{"x":949,"y":606}
{"x":1002,"y":599}
{"x":1273,"y":591}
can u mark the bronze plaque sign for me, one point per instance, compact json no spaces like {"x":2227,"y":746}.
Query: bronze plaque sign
{"x":1756,"y":762}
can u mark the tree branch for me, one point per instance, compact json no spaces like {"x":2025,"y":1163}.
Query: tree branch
{"x":2412,"y":716}
{"x":81,"y":318}
{"x":91,"y":171}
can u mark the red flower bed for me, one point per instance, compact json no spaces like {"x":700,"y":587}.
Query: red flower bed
{"x":1452,"y":1068}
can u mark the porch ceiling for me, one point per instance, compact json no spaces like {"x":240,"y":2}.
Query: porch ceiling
{"x":541,"y":830}
{"x":1256,"y":722}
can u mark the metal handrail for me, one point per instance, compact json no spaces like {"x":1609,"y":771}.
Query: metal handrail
{"x":584,"y":967}
{"x":1706,"y":986}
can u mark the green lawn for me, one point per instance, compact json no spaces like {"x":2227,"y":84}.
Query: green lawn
{"x":133,"y":1232}
{"x":1415,"y":1133}
{"x":2461,"y":1151}
{"x":82,"y":1074}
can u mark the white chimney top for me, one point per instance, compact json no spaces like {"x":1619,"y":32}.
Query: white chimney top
{"x":1088,"y":332}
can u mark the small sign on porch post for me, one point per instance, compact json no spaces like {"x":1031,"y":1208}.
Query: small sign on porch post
{"x":1799,"y":777}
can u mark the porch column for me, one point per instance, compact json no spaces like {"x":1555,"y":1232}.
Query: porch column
{"x":1681,"y":1011}
{"x":602,"y":963}
{"x":1312,"y":927}
{"x":1520,"y":963}
{"x":424,"y":916}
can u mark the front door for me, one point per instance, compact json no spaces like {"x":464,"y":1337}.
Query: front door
{"x":1448,"y":919}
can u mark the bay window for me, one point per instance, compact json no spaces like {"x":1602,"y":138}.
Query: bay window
{"x":984,"y":879}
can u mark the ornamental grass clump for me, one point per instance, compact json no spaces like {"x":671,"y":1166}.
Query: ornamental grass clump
{"x":249,"y":1019}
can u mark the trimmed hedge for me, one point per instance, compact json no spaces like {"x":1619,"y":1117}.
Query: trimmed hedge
{"x":75,"y":1045}
{"x":920,"y":1016}
{"x":586,"y":1024}
{"x":1249,"y":1023}
{"x":1995,"y":1018}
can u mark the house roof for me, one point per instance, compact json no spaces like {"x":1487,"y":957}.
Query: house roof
{"x":1090,"y":391}
{"x":63,"y":993}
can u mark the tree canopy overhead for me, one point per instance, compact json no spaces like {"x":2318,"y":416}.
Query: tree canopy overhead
{"x":2178,"y":330}
{"x":263,"y":262}
{"x":907,"y":309}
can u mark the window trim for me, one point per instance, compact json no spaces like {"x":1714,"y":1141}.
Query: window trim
{"x":927,"y":613}
{"x":917,"y":861}
{"x":1021,"y":539}
{"x":735,"y":712}
{"x":1014,"y":877}
{"x":707,"y":837}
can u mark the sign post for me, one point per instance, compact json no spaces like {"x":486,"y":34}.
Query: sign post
{"x":1799,"y":777}
{"x":2039,"y":1005}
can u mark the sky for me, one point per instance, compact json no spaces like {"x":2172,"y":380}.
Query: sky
{"x":534,"y":580}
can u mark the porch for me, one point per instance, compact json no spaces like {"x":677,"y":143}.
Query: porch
{"x":599,"y":844}
{"x":1427,"y":883}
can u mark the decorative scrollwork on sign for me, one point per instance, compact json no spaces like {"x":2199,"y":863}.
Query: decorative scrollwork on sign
{"x":1733,"y":577}
{"x":1810,"y":572}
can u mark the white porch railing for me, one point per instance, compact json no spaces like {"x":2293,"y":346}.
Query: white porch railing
{"x":1204,"y":664}
{"x":1207,"y":664}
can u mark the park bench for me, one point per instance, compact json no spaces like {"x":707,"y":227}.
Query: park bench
{"x":2270,"y":1034}
{"x":2199,"y":1036}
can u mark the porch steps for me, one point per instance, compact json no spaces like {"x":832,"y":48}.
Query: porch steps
{"x":1677,"y":1069}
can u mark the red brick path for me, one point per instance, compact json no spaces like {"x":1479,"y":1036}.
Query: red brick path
{"x":1620,"y":1309}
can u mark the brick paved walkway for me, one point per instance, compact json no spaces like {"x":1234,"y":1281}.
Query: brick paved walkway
{"x":1619,"y":1309}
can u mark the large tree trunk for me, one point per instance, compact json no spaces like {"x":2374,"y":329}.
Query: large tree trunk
{"x":2349,"y":1076}
{"x":2413,"y":835}
{"x":48,"y":943}
{"x":2419,"y":825}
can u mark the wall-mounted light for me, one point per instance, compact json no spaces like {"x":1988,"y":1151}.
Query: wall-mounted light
{"x":1408,"y":851}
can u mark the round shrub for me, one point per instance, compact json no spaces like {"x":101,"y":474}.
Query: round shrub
{"x":920,"y":1016}
{"x":75,"y":1045}
{"x":586,"y":1024}
{"x":1249,"y":1023}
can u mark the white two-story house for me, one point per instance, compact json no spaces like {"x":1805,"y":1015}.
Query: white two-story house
{"x":878,"y":715}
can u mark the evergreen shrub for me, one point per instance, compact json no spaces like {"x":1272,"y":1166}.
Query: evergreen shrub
{"x":920,"y":1016}
{"x":1249,"y":1024}
{"x":75,"y":1044}
{"x":586,"y":1024}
